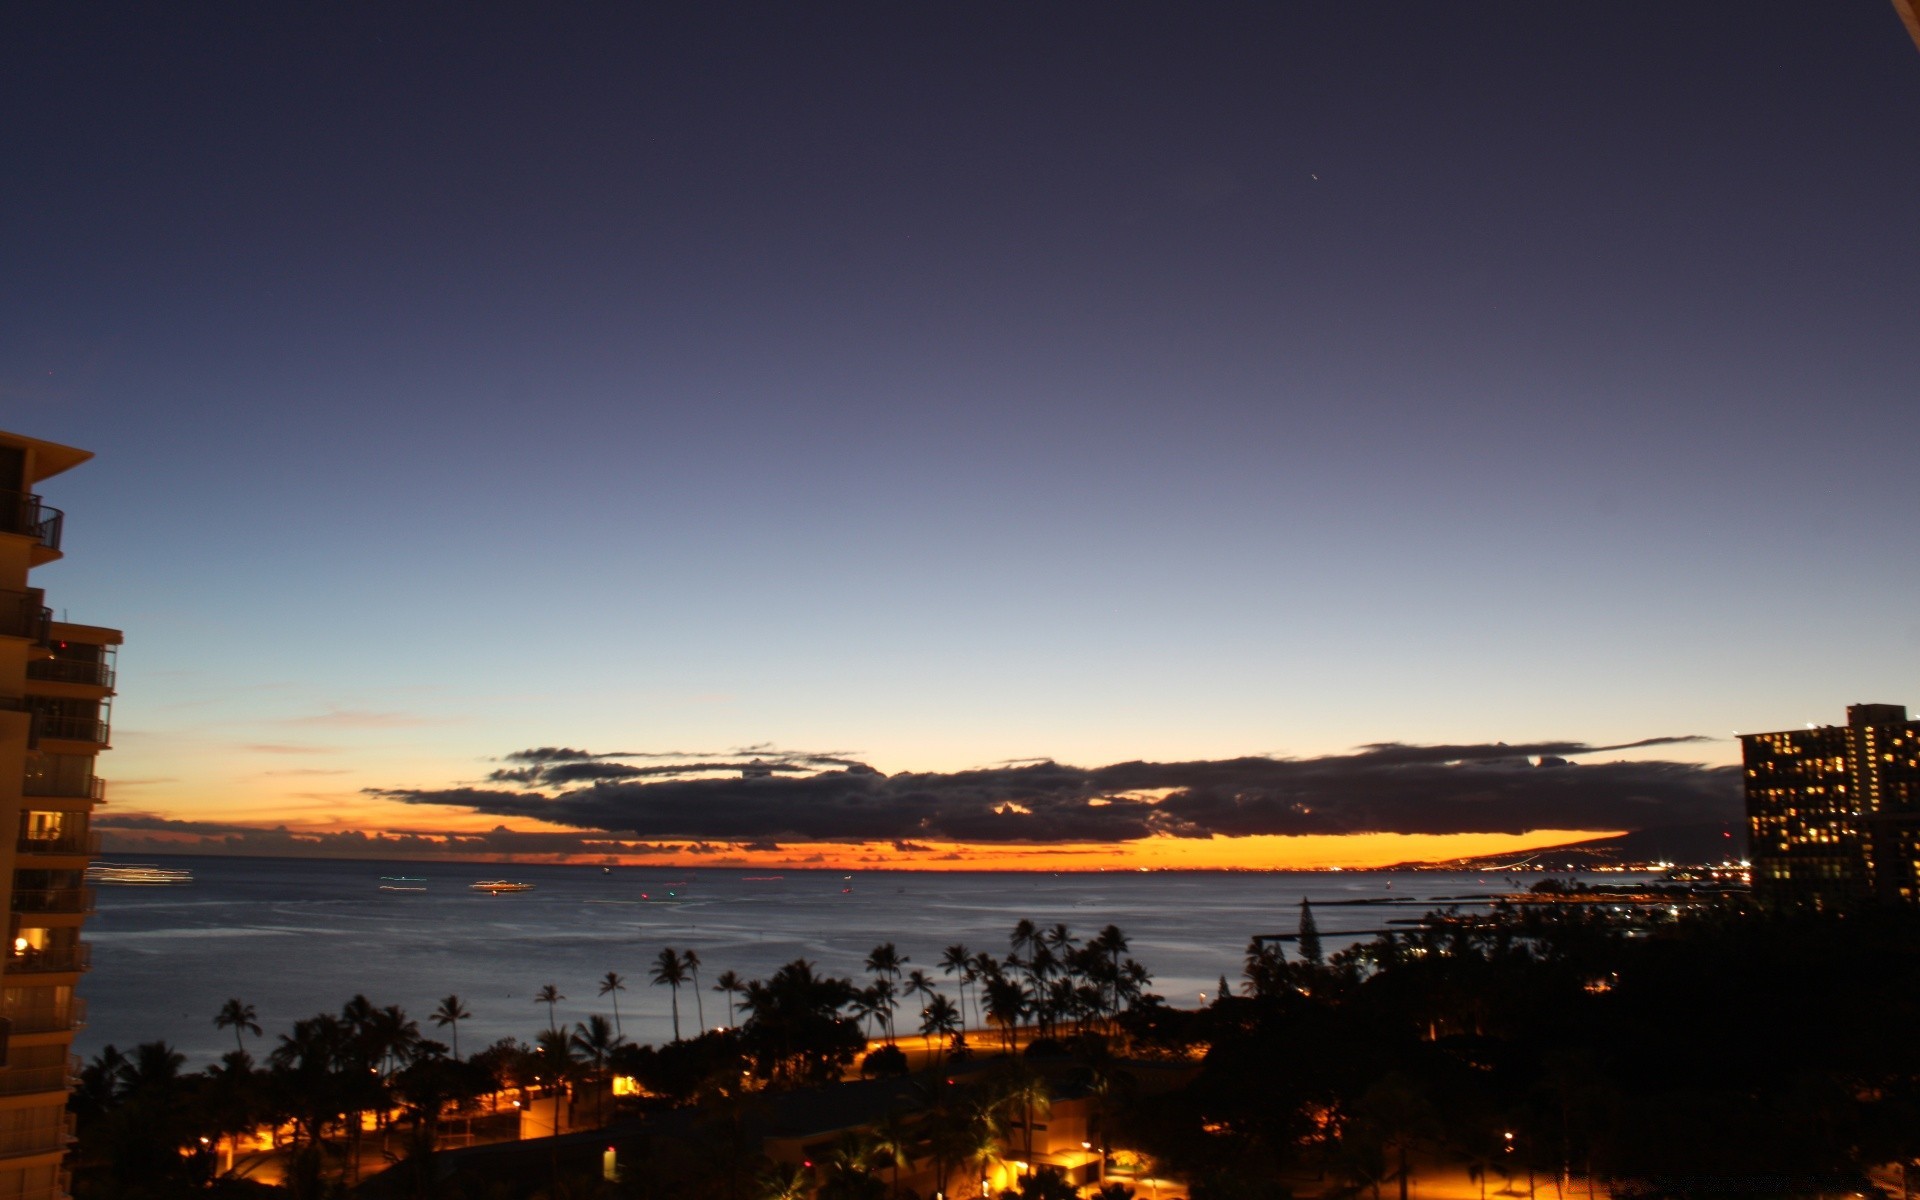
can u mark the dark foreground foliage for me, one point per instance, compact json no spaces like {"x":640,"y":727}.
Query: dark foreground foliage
{"x":1731,"y":1045}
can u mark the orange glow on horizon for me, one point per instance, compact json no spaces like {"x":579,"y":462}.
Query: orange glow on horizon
{"x":1259,"y":852}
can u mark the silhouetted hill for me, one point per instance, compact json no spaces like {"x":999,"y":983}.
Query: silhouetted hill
{"x":1703,"y":844}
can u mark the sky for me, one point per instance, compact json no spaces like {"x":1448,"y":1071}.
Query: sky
{"x":909,"y":392}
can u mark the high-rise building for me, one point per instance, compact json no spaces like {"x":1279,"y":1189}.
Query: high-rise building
{"x":1834,"y":810}
{"x":56,"y":682}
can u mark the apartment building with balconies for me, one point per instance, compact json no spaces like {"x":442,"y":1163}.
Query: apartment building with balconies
{"x":56,"y":688}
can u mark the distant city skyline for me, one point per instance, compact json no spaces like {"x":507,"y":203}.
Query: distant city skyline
{"x":942,"y":388}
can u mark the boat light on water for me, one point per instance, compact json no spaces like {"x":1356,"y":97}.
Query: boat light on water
{"x":136,"y":874}
{"x":496,"y":886}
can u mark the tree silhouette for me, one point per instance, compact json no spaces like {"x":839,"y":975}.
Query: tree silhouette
{"x":451,"y":1012}
{"x":1309,"y":934}
{"x":550,"y":996}
{"x":957,"y":961}
{"x":670,"y":971}
{"x":690,"y":959}
{"x":732,"y":985}
{"x":613,"y":985}
{"x":238,"y":1017}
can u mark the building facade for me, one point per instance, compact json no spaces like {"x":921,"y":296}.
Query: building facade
{"x":1834,"y":810}
{"x":56,"y":685}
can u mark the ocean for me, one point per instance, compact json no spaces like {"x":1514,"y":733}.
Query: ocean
{"x":294,"y":937}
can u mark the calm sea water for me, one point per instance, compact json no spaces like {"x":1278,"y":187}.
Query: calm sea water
{"x":295,"y":937}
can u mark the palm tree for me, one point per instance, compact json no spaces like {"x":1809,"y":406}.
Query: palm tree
{"x":597,"y":1040}
{"x":1006,"y":1001}
{"x":957,"y":961}
{"x":670,"y":971}
{"x":613,"y":985}
{"x":690,"y":959}
{"x":1024,"y":1090}
{"x":941,"y":1018}
{"x":784,"y":1181}
{"x":884,"y":1000}
{"x":391,"y":1036}
{"x":732,"y":985}
{"x":1025,"y":936}
{"x":1112,"y":943}
{"x":893,"y":1140}
{"x":865,"y":1003}
{"x":549,"y":996}
{"x":238,"y":1017}
{"x":451,"y":1012}
{"x":154,"y":1067}
{"x":886,"y":962}
{"x":918,"y":984}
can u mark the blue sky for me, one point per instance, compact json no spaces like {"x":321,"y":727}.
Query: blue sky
{"x":951,"y":385}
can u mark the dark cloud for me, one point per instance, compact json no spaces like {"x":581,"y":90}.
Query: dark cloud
{"x":125,"y":833}
{"x":1384,"y":788}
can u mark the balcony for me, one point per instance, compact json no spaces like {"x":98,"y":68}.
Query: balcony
{"x":48,"y":1139}
{"x":52,"y":961}
{"x":51,"y":1020}
{"x":16,"y":1080}
{"x":72,"y":729}
{"x":22,"y":512}
{"x":90,"y":788}
{"x":67,"y":901}
{"x":71,"y":670}
{"x":24,"y":614}
{"x":67,"y":845}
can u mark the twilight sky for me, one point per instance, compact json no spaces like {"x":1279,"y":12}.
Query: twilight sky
{"x":930,"y":387}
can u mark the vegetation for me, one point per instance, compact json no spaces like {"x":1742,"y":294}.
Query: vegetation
{"x":1557,"y":1040}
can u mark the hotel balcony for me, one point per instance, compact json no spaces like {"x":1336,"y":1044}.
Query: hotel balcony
{"x":24,"y":614}
{"x":17,"y":1080}
{"x":92,"y":787}
{"x":70,"y":729}
{"x":67,"y":845}
{"x":55,"y":960}
{"x":22,"y":512}
{"x":76,"y":900}
{"x":68,"y":670}
{"x":54,"y":1019}
{"x":48,"y":1139}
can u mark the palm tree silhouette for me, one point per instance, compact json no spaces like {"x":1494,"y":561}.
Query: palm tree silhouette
{"x":613,"y":985}
{"x":238,"y":1017}
{"x":669,"y":971}
{"x":690,"y":959}
{"x":597,"y":1041}
{"x":919,"y":985}
{"x":549,"y":996}
{"x":732,"y":985}
{"x":451,"y":1012}
{"x":958,"y":961}
{"x":940,"y":1018}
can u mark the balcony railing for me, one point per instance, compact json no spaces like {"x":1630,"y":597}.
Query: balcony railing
{"x":67,"y":845}
{"x":22,"y":512}
{"x":51,"y":1020}
{"x":15,"y":1080}
{"x":78,"y":957}
{"x":72,"y":729}
{"x":71,"y":670}
{"x":24,"y":614}
{"x":91,"y":788}
{"x":47,"y":1139}
{"x":52,"y":900}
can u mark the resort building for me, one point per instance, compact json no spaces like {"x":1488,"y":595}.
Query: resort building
{"x":56,"y":681}
{"x":1834,"y":810}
